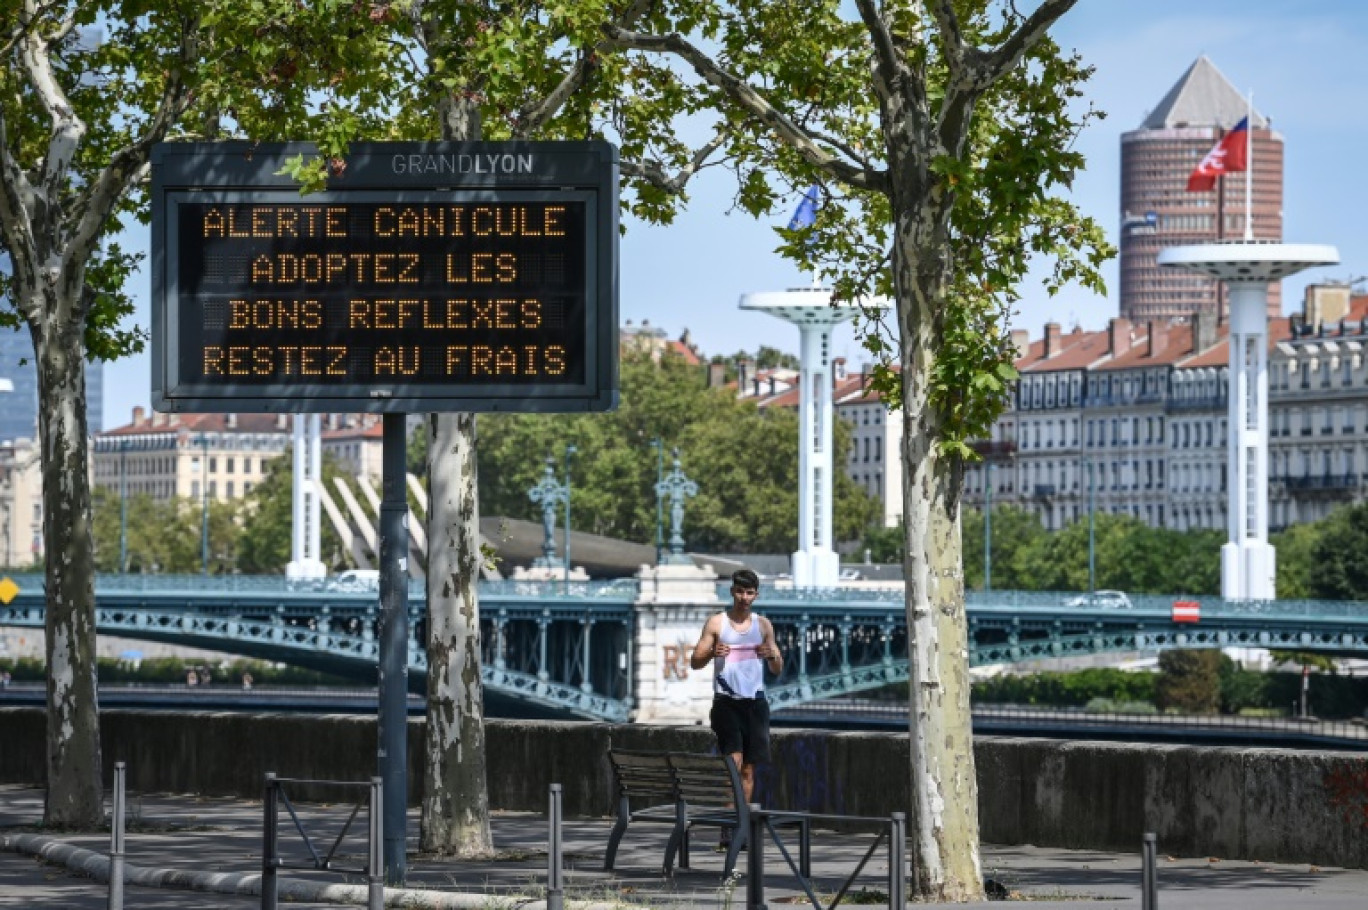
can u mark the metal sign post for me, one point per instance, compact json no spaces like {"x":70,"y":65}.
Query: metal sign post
{"x":393,"y":721}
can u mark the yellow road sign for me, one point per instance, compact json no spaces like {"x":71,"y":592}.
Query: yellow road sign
{"x":8,"y":590}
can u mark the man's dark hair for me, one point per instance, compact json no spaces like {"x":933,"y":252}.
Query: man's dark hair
{"x":745,"y":578}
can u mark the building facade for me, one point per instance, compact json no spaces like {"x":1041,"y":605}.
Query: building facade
{"x":357,"y":441}
{"x":166,"y":456}
{"x":1133,"y":420}
{"x":21,"y":504}
{"x":1158,"y":211}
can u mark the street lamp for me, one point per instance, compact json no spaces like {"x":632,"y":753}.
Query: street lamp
{"x":569,"y":450}
{"x":988,"y":528}
{"x":204,"y":499}
{"x":659,"y":445}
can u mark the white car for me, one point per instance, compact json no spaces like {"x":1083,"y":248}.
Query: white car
{"x":1106,"y":600}
{"x":356,"y":580}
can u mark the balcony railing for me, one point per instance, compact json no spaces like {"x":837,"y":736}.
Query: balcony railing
{"x":1202,"y":403}
{"x":1320,"y":483}
{"x":994,"y":448}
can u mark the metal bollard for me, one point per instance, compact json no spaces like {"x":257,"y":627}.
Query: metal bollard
{"x":375,"y":863}
{"x":755,"y":860}
{"x":270,"y":885}
{"x":1149,"y":886}
{"x":116,"y":842}
{"x":897,"y":858}
{"x":555,"y":880}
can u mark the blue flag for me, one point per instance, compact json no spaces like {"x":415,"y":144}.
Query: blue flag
{"x":807,"y":210}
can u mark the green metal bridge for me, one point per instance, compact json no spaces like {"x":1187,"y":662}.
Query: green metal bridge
{"x":569,"y":647}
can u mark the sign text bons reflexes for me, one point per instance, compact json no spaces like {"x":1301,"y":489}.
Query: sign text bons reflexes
{"x":388,"y":292}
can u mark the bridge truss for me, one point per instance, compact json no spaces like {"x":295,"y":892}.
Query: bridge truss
{"x":568,"y":647}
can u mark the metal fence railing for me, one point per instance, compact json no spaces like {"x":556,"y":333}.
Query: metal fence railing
{"x":1351,"y":733}
{"x":891,"y":830}
{"x":272,"y":862}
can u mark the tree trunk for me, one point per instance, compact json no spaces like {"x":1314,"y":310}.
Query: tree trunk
{"x":75,"y":797}
{"x":455,"y":814}
{"x":455,"y":806}
{"x":943,"y":827}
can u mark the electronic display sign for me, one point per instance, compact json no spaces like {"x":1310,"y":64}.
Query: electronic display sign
{"x":427,"y":277}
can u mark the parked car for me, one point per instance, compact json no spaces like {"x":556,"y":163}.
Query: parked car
{"x":1106,"y":600}
{"x":356,"y":580}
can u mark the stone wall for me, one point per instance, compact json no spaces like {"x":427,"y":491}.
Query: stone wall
{"x":1265,"y":804}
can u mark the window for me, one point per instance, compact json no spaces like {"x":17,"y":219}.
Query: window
{"x":213,"y":465}
{"x":212,"y":488}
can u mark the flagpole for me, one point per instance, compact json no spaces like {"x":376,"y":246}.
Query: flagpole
{"x":1249,"y":168}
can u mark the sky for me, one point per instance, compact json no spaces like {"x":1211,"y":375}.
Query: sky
{"x":1303,"y":61}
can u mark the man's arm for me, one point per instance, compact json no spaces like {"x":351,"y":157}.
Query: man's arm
{"x":769,"y":650}
{"x":707,"y":646}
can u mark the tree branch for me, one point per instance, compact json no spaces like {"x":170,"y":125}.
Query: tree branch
{"x":536,"y":114}
{"x":748,"y":99}
{"x":127,"y":166}
{"x":652,"y":171}
{"x":986,"y":67}
{"x":885,"y":51}
{"x":67,"y":127}
{"x":28,"y":21}
{"x":15,"y":228}
{"x":947,"y":23}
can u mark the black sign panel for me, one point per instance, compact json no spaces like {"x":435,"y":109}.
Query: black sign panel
{"x":496,"y":292}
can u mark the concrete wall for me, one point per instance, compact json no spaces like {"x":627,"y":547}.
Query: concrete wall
{"x":1266,"y":804}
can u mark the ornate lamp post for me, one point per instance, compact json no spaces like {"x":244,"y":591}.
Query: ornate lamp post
{"x":548,"y":494}
{"x":203,"y":441}
{"x":659,"y":445}
{"x":569,"y":450}
{"x":677,"y":486}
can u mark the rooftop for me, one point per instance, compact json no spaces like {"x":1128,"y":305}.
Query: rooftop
{"x":1202,"y":97}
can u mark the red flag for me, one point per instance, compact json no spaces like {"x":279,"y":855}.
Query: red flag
{"x":1227,"y":157}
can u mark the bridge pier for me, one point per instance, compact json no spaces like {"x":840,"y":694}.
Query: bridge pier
{"x":672,"y":604}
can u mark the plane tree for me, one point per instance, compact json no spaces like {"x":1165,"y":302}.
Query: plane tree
{"x":87,"y":88}
{"x":941,"y":134}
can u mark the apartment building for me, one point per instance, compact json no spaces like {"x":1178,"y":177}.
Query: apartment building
{"x":1132,"y":419}
{"x":188,"y":455}
{"x":21,"y":503}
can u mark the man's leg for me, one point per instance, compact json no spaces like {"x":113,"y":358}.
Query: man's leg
{"x":747,"y":771}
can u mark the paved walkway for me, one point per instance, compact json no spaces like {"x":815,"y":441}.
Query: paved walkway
{"x":194,"y":835}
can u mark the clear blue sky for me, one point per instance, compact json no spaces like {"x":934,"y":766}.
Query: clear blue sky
{"x":1303,"y":61}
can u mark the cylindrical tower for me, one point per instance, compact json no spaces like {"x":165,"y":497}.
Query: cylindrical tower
{"x":1248,"y":565}
{"x":306,"y":532}
{"x":1158,"y":211}
{"x":815,"y":563}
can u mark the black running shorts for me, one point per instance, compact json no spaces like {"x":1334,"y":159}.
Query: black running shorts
{"x":742,"y":725}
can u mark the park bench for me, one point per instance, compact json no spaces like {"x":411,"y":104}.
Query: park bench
{"x":684,"y":789}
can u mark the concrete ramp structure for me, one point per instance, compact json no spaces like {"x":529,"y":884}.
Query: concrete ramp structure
{"x":357,"y":525}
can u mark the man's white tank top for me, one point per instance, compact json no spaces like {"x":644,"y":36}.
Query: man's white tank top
{"x":741,"y":674}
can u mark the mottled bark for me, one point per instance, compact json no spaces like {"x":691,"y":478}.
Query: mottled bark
{"x":943,"y":830}
{"x":74,"y":793}
{"x":455,"y":806}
